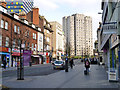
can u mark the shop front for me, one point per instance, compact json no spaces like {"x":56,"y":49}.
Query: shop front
{"x":15,"y":57}
{"x":4,"y":55}
{"x":41,"y":58}
{"x":27,"y":57}
{"x":35,"y":58}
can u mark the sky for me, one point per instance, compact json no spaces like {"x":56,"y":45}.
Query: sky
{"x":54,"y":10}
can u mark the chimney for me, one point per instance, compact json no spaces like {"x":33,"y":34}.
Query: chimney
{"x":3,"y":3}
{"x":22,"y":15}
{"x":35,"y":16}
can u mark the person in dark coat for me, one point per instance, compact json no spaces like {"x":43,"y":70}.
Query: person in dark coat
{"x":71,"y":63}
{"x":87,"y":64}
{"x":4,"y":63}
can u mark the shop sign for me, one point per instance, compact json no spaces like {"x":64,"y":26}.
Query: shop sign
{"x":110,"y":28}
{"x":4,"y":49}
{"x":28,"y":52}
{"x":15,"y":52}
{"x":46,"y":53}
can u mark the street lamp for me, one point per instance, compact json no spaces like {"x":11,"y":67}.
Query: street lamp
{"x":20,"y":68}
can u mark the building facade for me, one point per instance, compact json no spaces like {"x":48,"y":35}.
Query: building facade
{"x":15,"y":32}
{"x":57,"y":40}
{"x":78,"y":32}
{"x":109,"y":35}
{"x":17,"y":6}
{"x":34,"y":18}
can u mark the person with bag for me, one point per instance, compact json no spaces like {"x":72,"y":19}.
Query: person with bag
{"x":87,"y":66}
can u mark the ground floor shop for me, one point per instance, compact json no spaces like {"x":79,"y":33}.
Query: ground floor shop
{"x":5,"y":57}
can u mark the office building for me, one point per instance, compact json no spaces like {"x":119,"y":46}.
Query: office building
{"x":78,"y":32}
{"x":17,"y":6}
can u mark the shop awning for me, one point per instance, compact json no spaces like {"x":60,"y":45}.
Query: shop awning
{"x":35,"y":55}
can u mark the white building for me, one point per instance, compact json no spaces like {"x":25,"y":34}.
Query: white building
{"x":78,"y":32}
{"x":58,"y":40}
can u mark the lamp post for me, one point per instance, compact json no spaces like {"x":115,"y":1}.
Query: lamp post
{"x":20,"y":68}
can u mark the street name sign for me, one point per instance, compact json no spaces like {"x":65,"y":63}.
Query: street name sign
{"x":110,"y":28}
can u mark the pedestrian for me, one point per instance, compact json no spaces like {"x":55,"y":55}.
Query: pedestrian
{"x":71,"y":63}
{"x":87,"y":64}
{"x":4,"y":63}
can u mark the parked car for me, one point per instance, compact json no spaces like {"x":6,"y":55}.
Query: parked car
{"x":58,"y":64}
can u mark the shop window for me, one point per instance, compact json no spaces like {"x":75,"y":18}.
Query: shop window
{"x":7,"y":42}
{"x":2,"y":23}
{"x":6,"y":25}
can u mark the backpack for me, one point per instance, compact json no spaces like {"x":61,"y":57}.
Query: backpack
{"x":87,"y":63}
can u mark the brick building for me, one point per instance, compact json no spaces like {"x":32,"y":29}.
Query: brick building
{"x":15,"y":31}
{"x":34,"y":17}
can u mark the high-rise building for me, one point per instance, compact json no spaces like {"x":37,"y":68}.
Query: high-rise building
{"x":17,"y":6}
{"x":78,"y":32}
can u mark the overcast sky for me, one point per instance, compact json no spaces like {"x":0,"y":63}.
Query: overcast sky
{"x":54,"y":10}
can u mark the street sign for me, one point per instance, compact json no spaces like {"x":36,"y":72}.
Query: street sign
{"x":110,"y":28}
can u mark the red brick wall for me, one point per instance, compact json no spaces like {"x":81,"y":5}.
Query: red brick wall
{"x":23,"y":28}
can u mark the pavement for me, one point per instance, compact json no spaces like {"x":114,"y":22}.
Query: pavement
{"x":75,"y":78}
{"x":15,"y":68}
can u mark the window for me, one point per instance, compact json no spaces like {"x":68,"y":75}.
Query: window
{"x":2,"y":23}
{"x":33,"y":35}
{"x":28,"y":45}
{"x":28,"y":33}
{"x":0,"y":40}
{"x":25,"y":43}
{"x":14,"y":42}
{"x":18,"y":30}
{"x":6,"y":25}
{"x":7,"y":42}
{"x":35,"y":47}
{"x":48,"y":39}
{"x":15,"y":27}
{"x":19,"y":42}
{"x":32,"y":46}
